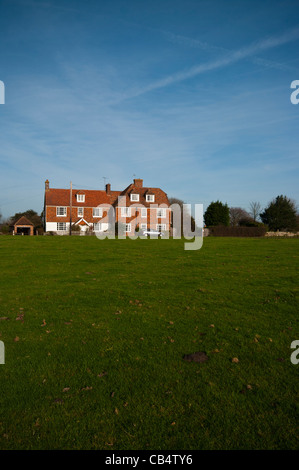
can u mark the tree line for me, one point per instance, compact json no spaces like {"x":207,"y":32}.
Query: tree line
{"x":280,"y":214}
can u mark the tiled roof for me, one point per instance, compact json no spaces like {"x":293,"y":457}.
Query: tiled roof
{"x":61,"y":197}
{"x":93,"y":198}
{"x":23,"y":221}
{"x":113,"y":196}
{"x":160,"y":196}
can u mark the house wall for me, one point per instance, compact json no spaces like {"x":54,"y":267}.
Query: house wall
{"x":52,"y":217}
{"x":52,"y":227}
{"x":151,"y":220}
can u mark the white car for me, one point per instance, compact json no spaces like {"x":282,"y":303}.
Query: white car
{"x":156,"y":233}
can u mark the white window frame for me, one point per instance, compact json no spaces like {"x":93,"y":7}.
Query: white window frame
{"x":80,"y":197}
{"x":60,"y":209}
{"x":161,"y":227}
{"x":97,"y":227}
{"x":134,"y":197}
{"x":144,"y":212}
{"x":59,"y":224}
{"x":125,"y":211}
{"x":97,"y":212}
{"x":128,"y":228}
{"x":162,"y":211}
{"x":80,"y":211}
{"x":150,"y":198}
{"x":143,"y":226}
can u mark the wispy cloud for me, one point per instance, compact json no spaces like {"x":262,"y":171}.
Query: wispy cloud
{"x":229,"y":58}
{"x":205,"y":46}
{"x":45,"y":5}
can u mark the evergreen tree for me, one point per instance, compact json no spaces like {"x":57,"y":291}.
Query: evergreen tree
{"x":280,"y":214}
{"x":217,"y":213}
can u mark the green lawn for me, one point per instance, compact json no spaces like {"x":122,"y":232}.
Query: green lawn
{"x":95,"y":332}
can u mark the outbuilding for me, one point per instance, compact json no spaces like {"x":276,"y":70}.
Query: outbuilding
{"x":23,"y":226}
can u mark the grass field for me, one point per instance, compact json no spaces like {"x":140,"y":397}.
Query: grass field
{"x":95,"y":333}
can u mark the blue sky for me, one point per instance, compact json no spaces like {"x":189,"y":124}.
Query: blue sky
{"x":191,"y":96}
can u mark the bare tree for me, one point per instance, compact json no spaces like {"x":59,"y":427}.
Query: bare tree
{"x":183,"y":214}
{"x":255,"y":209}
{"x":236,"y":214}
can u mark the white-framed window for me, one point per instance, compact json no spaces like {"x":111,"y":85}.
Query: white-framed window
{"x":150,"y":198}
{"x":143,"y":212}
{"x":161,"y":227}
{"x":134,"y":197}
{"x":128,"y":227}
{"x":61,"y":226}
{"x":97,"y":212}
{"x":143,"y":226}
{"x":161,"y":213}
{"x":80,"y":197}
{"x":80,"y":211}
{"x":97,"y":227}
{"x":61,"y":211}
{"x":126,"y":212}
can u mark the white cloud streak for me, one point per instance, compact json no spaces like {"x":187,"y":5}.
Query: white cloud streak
{"x":229,"y":58}
{"x":205,"y":46}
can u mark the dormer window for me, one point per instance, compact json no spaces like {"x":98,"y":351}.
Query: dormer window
{"x":80,"y":197}
{"x":150,"y":198}
{"x":134,"y":197}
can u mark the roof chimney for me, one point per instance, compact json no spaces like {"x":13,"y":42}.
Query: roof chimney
{"x":108,"y":188}
{"x":138,"y":183}
{"x":47,"y":185}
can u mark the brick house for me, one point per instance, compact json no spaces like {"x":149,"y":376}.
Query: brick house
{"x":135,"y":206}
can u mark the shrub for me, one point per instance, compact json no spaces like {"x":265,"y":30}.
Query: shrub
{"x":222,"y":231}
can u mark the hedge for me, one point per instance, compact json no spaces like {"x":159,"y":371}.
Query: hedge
{"x":222,"y":231}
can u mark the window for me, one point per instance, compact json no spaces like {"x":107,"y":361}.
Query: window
{"x":97,"y":212}
{"x":161,"y":213}
{"x":80,"y":211}
{"x":134,"y":197}
{"x":128,"y":227}
{"x":61,"y":226}
{"x":80,"y":197}
{"x":126,"y":211}
{"x":143,"y":212}
{"x":150,"y":198}
{"x":143,"y":226}
{"x":97,"y":227}
{"x":161,"y":227}
{"x":61,"y":211}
